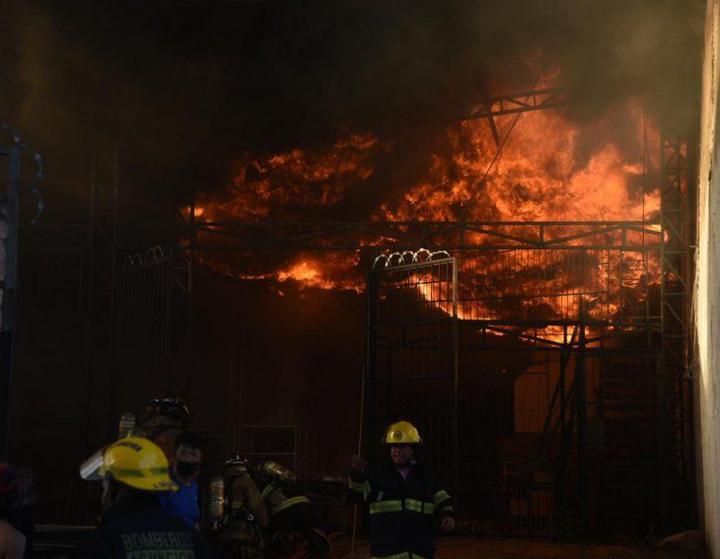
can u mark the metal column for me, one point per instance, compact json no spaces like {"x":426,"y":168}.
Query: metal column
{"x":675,"y":436}
{"x":101,"y":282}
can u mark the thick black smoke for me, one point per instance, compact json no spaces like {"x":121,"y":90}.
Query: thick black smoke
{"x":184,"y":86}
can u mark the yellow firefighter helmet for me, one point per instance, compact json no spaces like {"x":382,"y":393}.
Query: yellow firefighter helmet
{"x":402,"y":432}
{"x":134,"y":461}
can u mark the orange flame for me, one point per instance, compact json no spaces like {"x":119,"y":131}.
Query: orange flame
{"x":539,"y":176}
{"x":268,"y":187}
{"x":550,"y":169}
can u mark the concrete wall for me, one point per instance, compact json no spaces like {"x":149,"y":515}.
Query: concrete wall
{"x":707,"y":290}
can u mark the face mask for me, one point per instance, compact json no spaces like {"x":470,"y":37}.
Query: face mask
{"x":187,"y":469}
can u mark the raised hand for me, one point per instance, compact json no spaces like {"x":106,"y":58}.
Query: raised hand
{"x":358,"y":463}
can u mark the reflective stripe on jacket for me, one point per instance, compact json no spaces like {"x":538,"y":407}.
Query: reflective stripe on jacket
{"x":402,"y":511}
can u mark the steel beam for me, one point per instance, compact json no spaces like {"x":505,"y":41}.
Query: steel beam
{"x":533,"y":100}
{"x":395,"y":235}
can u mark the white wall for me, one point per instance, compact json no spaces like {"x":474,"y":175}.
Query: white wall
{"x":707,"y":291}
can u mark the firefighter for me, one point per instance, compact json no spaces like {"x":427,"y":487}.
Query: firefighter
{"x":163,"y":420}
{"x":134,"y":471}
{"x":404,"y":498}
{"x":246,"y":515}
{"x":292,"y":522}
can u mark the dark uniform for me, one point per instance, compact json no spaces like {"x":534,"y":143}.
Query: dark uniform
{"x":137,"y":528}
{"x":403,"y":512}
{"x":247,"y":517}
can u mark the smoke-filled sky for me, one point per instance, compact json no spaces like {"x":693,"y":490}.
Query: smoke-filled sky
{"x":185,"y":86}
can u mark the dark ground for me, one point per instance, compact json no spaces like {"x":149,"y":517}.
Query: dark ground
{"x":466,"y":548}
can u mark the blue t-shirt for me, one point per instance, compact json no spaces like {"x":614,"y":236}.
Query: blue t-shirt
{"x":182,"y":503}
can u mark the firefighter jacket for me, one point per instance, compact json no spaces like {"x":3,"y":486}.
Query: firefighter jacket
{"x":243,"y":495}
{"x":402,"y":511}
{"x":246,"y":512}
{"x":138,"y":528}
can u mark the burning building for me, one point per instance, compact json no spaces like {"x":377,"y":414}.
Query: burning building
{"x":540,"y":303}
{"x":473,"y":221}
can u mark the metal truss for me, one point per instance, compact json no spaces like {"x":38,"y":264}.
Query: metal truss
{"x":537,"y":100}
{"x":675,"y":380}
{"x":525,"y":246}
{"x":408,"y":235}
{"x":501,"y":105}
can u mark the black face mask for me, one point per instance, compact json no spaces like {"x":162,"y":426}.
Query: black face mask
{"x":187,"y":469}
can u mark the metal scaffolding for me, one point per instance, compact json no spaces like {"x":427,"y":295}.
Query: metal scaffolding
{"x":102,"y":254}
{"x":138,"y":307}
{"x":677,"y":472}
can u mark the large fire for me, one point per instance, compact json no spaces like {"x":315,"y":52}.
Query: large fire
{"x":542,"y":174}
{"x":550,"y":169}
{"x":539,"y":176}
{"x":288,"y":185}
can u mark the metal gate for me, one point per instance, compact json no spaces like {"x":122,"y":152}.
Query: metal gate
{"x":152,"y":324}
{"x":526,"y":366}
{"x":412,"y":354}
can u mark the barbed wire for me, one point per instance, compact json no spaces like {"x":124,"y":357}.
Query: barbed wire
{"x":152,"y":255}
{"x":405,"y":257}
